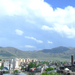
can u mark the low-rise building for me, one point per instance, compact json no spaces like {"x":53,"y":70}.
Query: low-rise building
{"x":32,"y":69}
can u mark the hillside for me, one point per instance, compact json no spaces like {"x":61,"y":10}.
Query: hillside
{"x":58,"y":53}
{"x":60,"y":49}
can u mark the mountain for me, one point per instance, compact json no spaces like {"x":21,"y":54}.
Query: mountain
{"x":58,"y":53}
{"x":56,"y":50}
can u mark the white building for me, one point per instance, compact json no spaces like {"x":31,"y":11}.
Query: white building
{"x":0,"y":63}
{"x":6,"y":64}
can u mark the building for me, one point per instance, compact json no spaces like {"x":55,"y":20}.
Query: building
{"x":17,"y":63}
{"x":68,"y":69}
{"x":6,"y":64}
{"x":0,"y":63}
{"x":32,"y":69}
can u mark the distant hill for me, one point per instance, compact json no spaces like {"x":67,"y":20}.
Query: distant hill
{"x":58,"y":53}
{"x":0,"y":47}
{"x":60,"y":49}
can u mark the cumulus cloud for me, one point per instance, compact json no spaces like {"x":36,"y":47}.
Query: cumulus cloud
{"x":29,"y":46}
{"x":50,"y":42}
{"x":38,"y":41}
{"x":19,"y":32}
{"x":19,"y":7}
{"x":32,"y":9}
{"x":61,"y":29}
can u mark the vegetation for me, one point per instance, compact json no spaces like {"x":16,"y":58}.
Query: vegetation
{"x":0,"y":59}
{"x":5,"y":53}
{"x":16,"y":71}
{"x":58,"y":53}
{"x":52,"y":73}
{"x":1,"y":67}
{"x":49,"y":69}
{"x":32,"y":65}
{"x":56,"y":50}
{"x":22,"y":68}
{"x":45,"y":62}
{"x":5,"y":72}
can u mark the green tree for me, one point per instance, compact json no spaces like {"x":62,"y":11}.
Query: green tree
{"x":32,"y":65}
{"x":16,"y":71}
{"x":49,"y":69}
{"x":1,"y":67}
{"x":0,"y":59}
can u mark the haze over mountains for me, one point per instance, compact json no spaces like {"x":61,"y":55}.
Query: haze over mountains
{"x":62,"y":53}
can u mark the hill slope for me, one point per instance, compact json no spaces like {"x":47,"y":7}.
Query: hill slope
{"x":46,"y":54}
{"x":60,"y":49}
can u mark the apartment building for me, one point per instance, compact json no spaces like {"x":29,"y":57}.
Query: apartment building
{"x":15,"y":63}
{"x":6,"y":63}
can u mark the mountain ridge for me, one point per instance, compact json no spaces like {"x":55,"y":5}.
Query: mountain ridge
{"x":60,"y":52}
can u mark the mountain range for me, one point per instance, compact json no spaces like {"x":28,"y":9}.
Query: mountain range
{"x":57,"y":53}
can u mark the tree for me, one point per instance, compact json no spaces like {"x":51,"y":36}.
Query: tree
{"x":1,"y":67}
{"x":32,"y":65}
{"x":16,"y":71}
{"x":49,"y":69}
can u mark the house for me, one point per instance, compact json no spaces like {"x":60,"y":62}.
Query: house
{"x":52,"y":66}
{"x":45,"y":66}
{"x":39,"y":69}
{"x":32,"y":69}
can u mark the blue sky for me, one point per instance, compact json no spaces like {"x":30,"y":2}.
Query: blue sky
{"x":37,"y":24}
{"x":61,"y":3}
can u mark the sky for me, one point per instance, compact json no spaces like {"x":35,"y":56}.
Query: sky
{"x":37,"y":24}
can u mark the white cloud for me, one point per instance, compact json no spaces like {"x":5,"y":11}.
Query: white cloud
{"x":62,"y":29}
{"x":18,"y":7}
{"x":38,"y":41}
{"x":39,"y":9}
{"x":46,"y":28}
{"x":19,"y":32}
{"x":50,"y":42}
{"x":29,"y":46}
{"x":32,"y":9}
